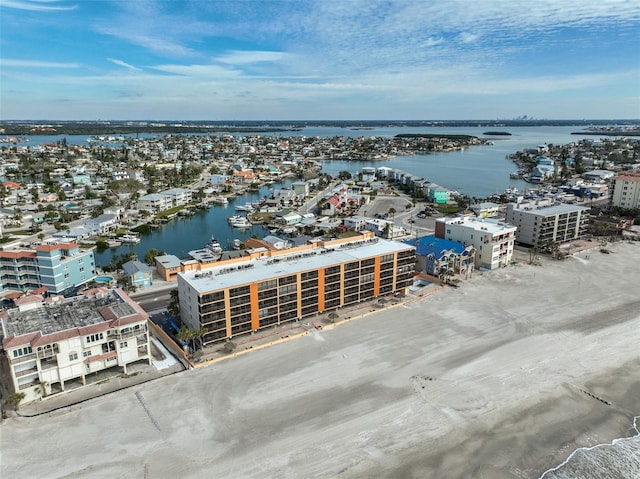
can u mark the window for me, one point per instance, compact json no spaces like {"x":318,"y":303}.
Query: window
{"x":123,"y":344}
{"x":22,"y":351}
{"x":94,"y":337}
{"x":86,"y":354}
{"x":66,"y":275}
{"x":73,"y":356}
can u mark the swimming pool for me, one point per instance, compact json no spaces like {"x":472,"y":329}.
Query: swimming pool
{"x":103,"y":279}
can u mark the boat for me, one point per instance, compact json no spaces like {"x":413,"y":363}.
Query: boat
{"x":248,"y":207}
{"x":214,"y":246}
{"x":220,"y":200}
{"x":238,"y":221}
{"x":236,"y":244}
{"x":129,"y":239}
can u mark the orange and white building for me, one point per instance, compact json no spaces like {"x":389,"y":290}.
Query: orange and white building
{"x":267,"y":287}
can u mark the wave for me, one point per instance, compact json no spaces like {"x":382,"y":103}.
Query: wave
{"x":619,"y":459}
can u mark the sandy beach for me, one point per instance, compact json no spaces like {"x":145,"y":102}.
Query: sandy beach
{"x":501,"y":378}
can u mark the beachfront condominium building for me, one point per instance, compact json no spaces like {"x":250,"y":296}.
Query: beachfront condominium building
{"x":493,"y":240}
{"x":546,"y":225}
{"x":56,"y":344}
{"x":626,"y":190}
{"x":268,"y":287}
{"x":58,"y":267}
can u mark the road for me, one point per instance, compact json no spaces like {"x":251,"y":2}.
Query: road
{"x":153,"y":300}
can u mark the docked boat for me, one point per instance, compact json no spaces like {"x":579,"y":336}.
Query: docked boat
{"x":247,"y":207}
{"x":214,"y":246}
{"x":238,"y":221}
{"x":220,"y":200}
{"x":129,"y":239}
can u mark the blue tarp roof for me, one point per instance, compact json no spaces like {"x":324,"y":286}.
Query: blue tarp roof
{"x":426,"y":245}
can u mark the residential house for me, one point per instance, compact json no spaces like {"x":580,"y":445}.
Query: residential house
{"x":138,"y":273}
{"x":437,"y":255}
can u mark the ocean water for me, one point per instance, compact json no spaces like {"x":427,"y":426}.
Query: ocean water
{"x":619,"y":459}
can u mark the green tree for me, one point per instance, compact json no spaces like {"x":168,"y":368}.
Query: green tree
{"x":174,"y":304}
{"x":13,"y":401}
{"x":150,"y":256}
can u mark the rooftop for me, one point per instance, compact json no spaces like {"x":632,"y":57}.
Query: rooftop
{"x":552,"y":210}
{"x":63,"y":314}
{"x":265,"y":268}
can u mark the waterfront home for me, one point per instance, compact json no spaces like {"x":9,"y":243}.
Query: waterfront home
{"x":300,"y":188}
{"x":102,"y":224}
{"x":138,"y":272}
{"x":485,"y":209}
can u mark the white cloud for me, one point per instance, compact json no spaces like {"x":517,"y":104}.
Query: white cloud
{"x":237,"y":57}
{"x":6,"y":62}
{"x":36,"y":5}
{"x":466,"y":37}
{"x":123,"y":64}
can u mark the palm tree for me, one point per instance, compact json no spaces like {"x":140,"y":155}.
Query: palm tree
{"x":199,"y":334}
{"x":186,"y":334}
{"x":174,"y":305}
{"x":41,"y":388}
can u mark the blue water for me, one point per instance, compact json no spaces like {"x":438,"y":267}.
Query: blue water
{"x":477,"y":171}
{"x":187,"y":233}
{"x":103,"y":279}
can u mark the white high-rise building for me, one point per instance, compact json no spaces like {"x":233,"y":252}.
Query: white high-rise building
{"x":493,"y":240}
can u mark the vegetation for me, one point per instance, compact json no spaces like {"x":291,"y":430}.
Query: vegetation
{"x":150,"y":256}
{"x":13,"y":400}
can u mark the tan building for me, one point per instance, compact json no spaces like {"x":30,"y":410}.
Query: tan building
{"x":626,"y":190}
{"x":543,"y":226}
{"x":54,"y":344}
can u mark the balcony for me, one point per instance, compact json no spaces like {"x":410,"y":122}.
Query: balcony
{"x":23,"y":358}
{"x":25,"y":372}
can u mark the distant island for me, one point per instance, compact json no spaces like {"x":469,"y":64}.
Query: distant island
{"x":609,"y":132}
{"x":497,"y":133}
{"x":121,"y":127}
{"x":436,"y":135}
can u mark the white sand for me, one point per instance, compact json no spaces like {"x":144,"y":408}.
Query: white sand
{"x":481,"y":381}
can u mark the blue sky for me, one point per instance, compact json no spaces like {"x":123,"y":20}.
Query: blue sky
{"x":319,"y":59}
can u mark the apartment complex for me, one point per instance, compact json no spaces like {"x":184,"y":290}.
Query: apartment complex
{"x":493,"y":240}
{"x":58,"y":267}
{"x":267,"y":288}
{"x":53,"y":344}
{"x":545,"y":225}
{"x":626,"y":190}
